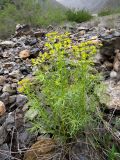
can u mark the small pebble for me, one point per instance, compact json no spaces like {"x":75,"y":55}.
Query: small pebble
{"x":113,"y":74}
{"x":2,"y":108}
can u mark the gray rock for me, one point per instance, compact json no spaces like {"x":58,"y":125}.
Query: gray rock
{"x":5,"y":54}
{"x":9,"y":65}
{"x":10,"y":122}
{"x":2,"y":80}
{"x":116,"y":34}
{"x":113,"y":74}
{"x":15,"y":74}
{"x":14,"y":86}
{"x":1,"y":88}
{"x":79,"y":152}
{"x":40,"y":33}
{"x":21,"y":100}
{"x":5,"y":98}
{"x":7,"y":44}
{"x":33,"y":42}
{"x":26,"y":138}
{"x":1,"y":71}
{"x":3,"y":134}
{"x":34,"y":52}
{"x":5,"y":154}
{"x":23,"y":30}
{"x":107,"y":37}
{"x":8,"y":88}
{"x":110,"y":94}
{"x":12,"y":99}
{"x":25,"y":70}
{"x":2,"y":119}
{"x":6,"y":71}
{"x":113,"y":90}
{"x":81,"y":28}
{"x":97,"y":58}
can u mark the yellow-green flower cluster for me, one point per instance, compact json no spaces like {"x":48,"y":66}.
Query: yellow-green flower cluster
{"x":23,"y":84}
{"x":61,"y":45}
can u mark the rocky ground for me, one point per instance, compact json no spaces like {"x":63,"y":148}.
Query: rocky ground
{"x":15,"y":64}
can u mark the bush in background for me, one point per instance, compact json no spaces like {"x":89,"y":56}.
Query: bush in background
{"x":78,"y":15}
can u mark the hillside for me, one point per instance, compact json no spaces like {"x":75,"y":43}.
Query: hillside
{"x":93,"y":5}
{"x":112,"y":3}
{"x":50,"y":2}
{"x":108,"y":4}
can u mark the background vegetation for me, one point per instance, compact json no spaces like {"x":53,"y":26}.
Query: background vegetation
{"x":78,"y":15}
{"x":35,"y":13}
{"x":27,"y":12}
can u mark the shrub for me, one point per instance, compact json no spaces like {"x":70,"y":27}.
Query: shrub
{"x":62,"y":90}
{"x":78,"y":15}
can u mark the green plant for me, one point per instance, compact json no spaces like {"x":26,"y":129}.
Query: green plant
{"x":78,"y":15}
{"x":62,"y":90}
{"x":112,"y":153}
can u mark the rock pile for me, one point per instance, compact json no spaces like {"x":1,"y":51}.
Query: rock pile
{"x":15,"y":64}
{"x":107,"y":61}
